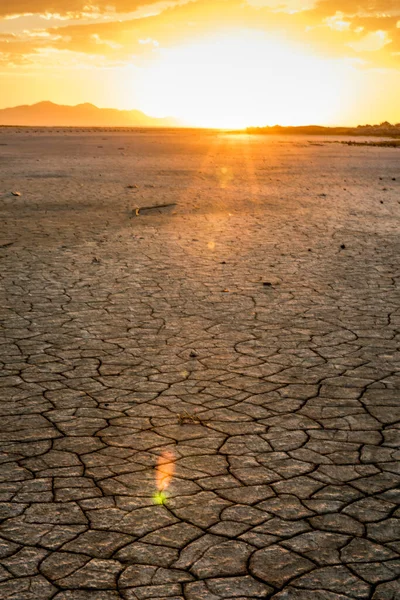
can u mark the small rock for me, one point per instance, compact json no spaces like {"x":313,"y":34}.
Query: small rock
{"x":342,"y":246}
{"x":267,"y":284}
{"x":393,"y":178}
{"x":193,"y":354}
{"x":132,"y":187}
{"x":384,"y":189}
{"x":16,"y":193}
{"x":381,"y":201}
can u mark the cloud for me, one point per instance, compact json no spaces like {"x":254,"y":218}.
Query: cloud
{"x":371,"y":42}
{"x":71,"y":8}
{"x":338,"y":22}
{"x":360,"y":8}
{"x":289,"y":6}
{"x":354,"y":29}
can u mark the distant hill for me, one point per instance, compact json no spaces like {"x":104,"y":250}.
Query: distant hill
{"x":48,"y":114}
{"x":383,"y":130}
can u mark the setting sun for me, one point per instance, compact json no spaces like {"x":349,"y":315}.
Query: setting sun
{"x":241,"y":79}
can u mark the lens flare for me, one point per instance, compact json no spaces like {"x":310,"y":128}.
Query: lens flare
{"x":164,"y":473}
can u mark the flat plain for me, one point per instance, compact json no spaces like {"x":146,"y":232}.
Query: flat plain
{"x":251,"y":327}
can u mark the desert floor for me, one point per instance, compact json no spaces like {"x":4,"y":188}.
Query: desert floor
{"x":252,"y":329}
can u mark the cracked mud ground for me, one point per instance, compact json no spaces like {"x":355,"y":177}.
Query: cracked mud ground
{"x":252,"y":330}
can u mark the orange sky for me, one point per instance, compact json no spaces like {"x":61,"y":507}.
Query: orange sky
{"x":212,"y":63}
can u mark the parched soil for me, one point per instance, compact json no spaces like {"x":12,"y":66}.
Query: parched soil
{"x":224,"y":305}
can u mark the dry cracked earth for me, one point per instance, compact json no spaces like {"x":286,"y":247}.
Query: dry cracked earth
{"x":252,"y":329}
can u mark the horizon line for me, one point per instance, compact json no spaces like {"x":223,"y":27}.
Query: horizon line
{"x":181,"y":125}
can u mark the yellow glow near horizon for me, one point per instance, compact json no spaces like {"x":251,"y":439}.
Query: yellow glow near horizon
{"x":241,"y":79}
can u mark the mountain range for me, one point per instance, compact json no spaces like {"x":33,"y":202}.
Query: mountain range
{"x":48,"y":114}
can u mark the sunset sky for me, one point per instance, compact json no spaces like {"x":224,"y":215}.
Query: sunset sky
{"x":222,"y":63}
